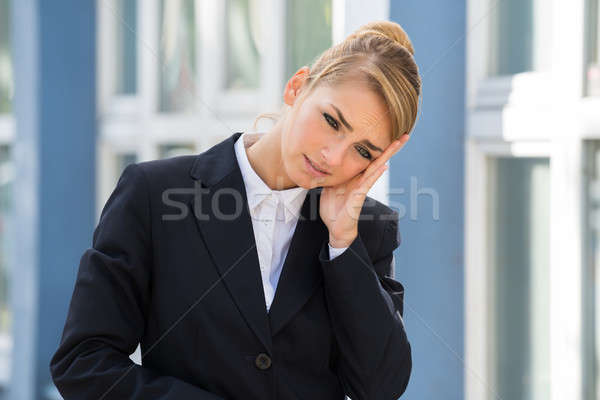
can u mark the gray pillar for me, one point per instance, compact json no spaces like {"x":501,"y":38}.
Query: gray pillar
{"x":54,"y":195}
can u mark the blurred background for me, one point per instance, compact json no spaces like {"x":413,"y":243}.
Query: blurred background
{"x":498,"y":190}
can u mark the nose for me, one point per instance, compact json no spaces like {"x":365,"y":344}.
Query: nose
{"x":333,"y":154}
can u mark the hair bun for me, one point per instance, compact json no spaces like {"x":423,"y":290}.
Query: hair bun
{"x":389,"y":29}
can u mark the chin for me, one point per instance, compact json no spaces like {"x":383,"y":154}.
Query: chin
{"x":306,"y":182}
{"x":313,"y":183}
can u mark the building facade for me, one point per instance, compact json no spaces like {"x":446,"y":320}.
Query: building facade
{"x":498,"y":189}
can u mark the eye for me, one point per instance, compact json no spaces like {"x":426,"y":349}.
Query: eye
{"x":334,"y":124}
{"x":331,"y":121}
{"x":363,"y":152}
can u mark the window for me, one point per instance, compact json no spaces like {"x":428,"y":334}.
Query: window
{"x":309,"y":32}
{"x":6,"y":80}
{"x":126,"y":49}
{"x":123,"y":160}
{"x":518,"y":285}
{"x":593,"y":49}
{"x":515,"y":84}
{"x":245,"y":44}
{"x":519,"y":34}
{"x":177,"y":61}
{"x":173,"y":150}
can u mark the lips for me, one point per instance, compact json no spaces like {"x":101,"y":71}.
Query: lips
{"x":316,"y":166}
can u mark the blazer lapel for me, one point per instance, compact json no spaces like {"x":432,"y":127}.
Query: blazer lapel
{"x":220,"y":208}
{"x":221,"y":213}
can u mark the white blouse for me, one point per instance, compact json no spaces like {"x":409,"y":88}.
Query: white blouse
{"x":274,"y":216}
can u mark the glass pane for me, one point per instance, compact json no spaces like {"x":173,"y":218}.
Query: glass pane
{"x":520,"y":35}
{"x":6,"y":76}
{"x":177,"y":61}
{"x":519,"y":257}
{"x":124,"y":160}
{"x":126,"y":55}
{"x":593,"y":68}
{"x":6,"y":178}
{"x":173,"y":150}
{"x":591,"y":273}
{"x":244,"y":44}
{"x":308,"y":32}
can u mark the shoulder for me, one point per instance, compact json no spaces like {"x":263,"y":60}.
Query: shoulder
{"x":146,"y":183}
{"x":168,"y":171}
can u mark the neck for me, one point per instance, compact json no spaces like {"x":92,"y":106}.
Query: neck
{"x":264,"y":155}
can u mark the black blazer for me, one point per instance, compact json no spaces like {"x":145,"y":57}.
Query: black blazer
{"x":174,"y":267}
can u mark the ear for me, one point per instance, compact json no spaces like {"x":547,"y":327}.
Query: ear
{"x":294,"y":85}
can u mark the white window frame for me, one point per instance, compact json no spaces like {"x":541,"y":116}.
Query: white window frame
{"x":533,"y":114}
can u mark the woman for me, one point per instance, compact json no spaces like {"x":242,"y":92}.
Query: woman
{"x":258,"y":269}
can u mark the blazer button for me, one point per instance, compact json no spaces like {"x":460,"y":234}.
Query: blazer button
{"x":262,"y":361}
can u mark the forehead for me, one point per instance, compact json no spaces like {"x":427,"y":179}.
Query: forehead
{"x":360,"y":106}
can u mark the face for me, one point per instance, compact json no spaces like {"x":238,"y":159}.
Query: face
{"x":340,"y":130}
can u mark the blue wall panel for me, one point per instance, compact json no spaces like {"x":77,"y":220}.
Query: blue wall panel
{"x":54,"y":195}
{"x":429,"y":261}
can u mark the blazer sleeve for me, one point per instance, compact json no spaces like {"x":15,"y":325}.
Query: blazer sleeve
{"x":372,"y":354}
{"x":108,"y":307}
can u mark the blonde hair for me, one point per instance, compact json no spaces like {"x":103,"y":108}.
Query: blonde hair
{"x":379,"y":54}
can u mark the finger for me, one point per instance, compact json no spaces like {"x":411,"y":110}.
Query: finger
{"x":390,"y":150}
{"x":386,"y":155}
{"x":370,"y":180}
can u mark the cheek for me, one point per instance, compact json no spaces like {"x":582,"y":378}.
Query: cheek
{"x":306,"y":132}
{"x":352,"y":168}
{"x":348,"y":171}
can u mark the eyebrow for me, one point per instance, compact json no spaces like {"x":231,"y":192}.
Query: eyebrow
{"x":366,"y":142}
{"x":371,"y":145}
{"x":341,"y":117}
